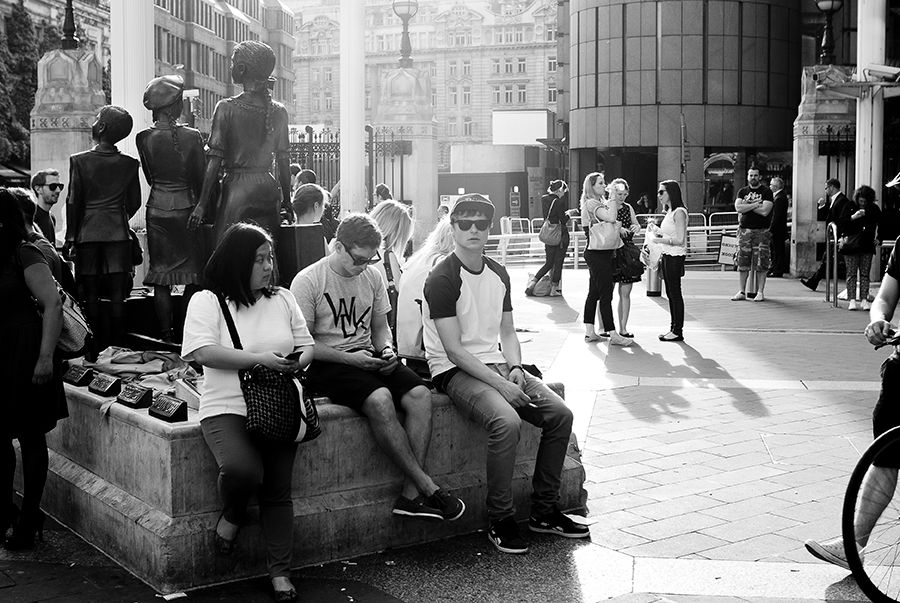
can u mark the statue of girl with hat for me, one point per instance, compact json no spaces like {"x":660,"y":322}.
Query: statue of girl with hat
{"x":173,"y":161}
{"x":247,"y":131}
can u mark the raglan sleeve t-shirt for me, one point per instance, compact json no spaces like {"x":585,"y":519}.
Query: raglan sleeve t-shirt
{"x":272,"y":324}
{"x":476,"y":300}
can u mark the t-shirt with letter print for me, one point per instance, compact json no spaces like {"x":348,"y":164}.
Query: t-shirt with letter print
{"x":751,"y":219}
{"x":477,"y":299}
{"x":339,"y":309}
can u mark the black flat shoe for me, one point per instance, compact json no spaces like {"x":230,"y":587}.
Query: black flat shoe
{"x":29,"y":527}
{"x":285,"y":595}
{"x":626,"y":334}
{"x":223,"y":545}
{"x":671,"y":337}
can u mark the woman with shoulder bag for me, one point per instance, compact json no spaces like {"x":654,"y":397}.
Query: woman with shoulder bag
{"x":627,"y":268}
{"x":396,"y":226}
{"x":602,"y":228}
{"x":857,"y":244}
{"x":556,"y":218}
{"x":672,"y":239}
{"x":272,"y":331}
{"x":33,"y":397}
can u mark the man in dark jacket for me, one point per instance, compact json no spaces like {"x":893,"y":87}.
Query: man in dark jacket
{"x":778,"y":228}
{"x":830,"y":208}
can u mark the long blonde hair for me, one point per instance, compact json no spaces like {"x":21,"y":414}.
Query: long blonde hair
{"x":395,"y":224}
{"x":587,"y":188}
{"x":438,"y":244}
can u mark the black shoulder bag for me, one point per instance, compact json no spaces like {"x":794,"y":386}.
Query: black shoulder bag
{"x":276,"y":408}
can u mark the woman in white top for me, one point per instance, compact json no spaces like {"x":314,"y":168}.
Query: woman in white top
{"x":436,"y":247}
{"x":273,"y":333}
{"x":672,"y":239}
{"x":396,"y":226}
{"x":596,"y":208}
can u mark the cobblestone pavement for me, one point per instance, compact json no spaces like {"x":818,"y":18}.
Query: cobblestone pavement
{"x":708,"y":464}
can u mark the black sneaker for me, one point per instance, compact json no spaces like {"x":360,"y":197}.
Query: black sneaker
{"x":504,"y":535}
{"x":559,"y":524}
{"x":450,"y":507}
{"x":417,"y":507}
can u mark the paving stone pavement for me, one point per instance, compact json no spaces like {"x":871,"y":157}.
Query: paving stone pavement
{"x":708,"y":464}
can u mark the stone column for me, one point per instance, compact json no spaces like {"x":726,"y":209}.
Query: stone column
{"x":353,"y":110}
{"x":131,"y":48}
{"x":870,"y":44}
{"x":405,"y":101}
{"x":69,"y":93}
{"x":818,"y":110}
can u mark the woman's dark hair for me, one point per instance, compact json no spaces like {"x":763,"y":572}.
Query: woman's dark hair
{"x":674,"y":193}
{"x":865,"y":193}
{"x":228,"y":270}
{"x":259,"y":60}
{"x":12,"y":224}
{"x":170,"y":114}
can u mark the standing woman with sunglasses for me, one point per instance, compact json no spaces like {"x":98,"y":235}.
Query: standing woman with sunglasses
{"x":672,"y":238}
{"x":596,"y":208}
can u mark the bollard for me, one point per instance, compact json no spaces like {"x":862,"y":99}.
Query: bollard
{"x":654,"y":281}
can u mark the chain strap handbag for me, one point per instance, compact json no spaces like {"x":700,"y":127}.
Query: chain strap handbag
{"x":276,"y":408}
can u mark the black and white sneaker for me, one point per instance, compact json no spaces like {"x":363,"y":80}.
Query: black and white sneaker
{"x":558,"y":523}
{"x":504,"y":534}
{"x":417,"y":507}
{"x":451,"y":507}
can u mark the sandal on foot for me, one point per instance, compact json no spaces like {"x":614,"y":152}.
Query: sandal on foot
{"x":671,"y":337}
{"x":591,"y":338}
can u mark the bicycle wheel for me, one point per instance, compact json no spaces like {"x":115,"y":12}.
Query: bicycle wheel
{"x":876,"y":567}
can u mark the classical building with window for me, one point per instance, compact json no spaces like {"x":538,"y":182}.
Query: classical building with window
{"x":482,"y":55}
{"x":192,"y":38}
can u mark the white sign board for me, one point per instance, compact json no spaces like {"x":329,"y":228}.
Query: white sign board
{"x":727,"y":249}
{"x":521,"y":127}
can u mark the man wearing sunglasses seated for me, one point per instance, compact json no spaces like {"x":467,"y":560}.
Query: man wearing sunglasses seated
{"x":345,"y":304}
{"x":46,"y":187}
{"x":467,"y":311}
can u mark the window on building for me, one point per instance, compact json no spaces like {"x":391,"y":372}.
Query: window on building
{"x":329,"y":75}
{"x":434,"y":97}
{"x":432,"y":69}
{"x":467,"y":67}
{"x":466,"y":95}
{"x":522,"y":64}
{"x":454,"y":96}
{"x":551,"y":93}
{"x":467,"y":126}
{"x":520,"y":93}
{"x":451,"y":68}
{"x":315,"y":75}
{"x":498,"y":36}
{"x":329,"y":102}
{"x":495,"y":65}
{"x":520,"y":34}
{"x":550,"y":35}
{"x":461,"y":38}
{"x":508,"y":94}
{"x":551,"y":65}
{"x":508,"y":66}
{"x":316,"y":103}
{"x":495,"y":94}
{"x":451,"y":127}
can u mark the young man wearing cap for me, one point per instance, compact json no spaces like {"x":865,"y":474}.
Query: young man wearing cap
{"x":345,"y":304}
{"x":467,"y":310}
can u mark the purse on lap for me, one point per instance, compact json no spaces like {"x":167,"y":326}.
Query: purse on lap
{"x":277,"y":410}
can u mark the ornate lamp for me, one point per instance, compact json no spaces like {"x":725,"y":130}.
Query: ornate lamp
{"x":829,"y":7}
{"x":406,"y":10}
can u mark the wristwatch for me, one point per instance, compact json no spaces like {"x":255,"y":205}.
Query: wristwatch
{"x":516,"y":366}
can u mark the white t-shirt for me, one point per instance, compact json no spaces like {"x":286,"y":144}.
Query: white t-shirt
{"x":272,"y":324}
{"x":410,"y":300}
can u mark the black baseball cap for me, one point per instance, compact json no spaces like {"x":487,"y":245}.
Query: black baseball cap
{"x":473,"y":202}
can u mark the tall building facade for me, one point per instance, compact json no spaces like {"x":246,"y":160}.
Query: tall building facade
{"x":695,"y":91}
{"x":482,"y":55}
{"x":192,"y":38}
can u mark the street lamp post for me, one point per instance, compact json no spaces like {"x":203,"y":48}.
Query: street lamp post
{"x":828,"y":7}
{"x":69,"y":41}
{"x":406,"y":10}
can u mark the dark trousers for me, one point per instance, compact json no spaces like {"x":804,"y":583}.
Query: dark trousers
{"x":34,"y":474}
{"x":248,"y":466}
{"x":779,"y":255}
{"x":556,"y":255}
{"x":673,"y":270}
{"x":600,"y":287}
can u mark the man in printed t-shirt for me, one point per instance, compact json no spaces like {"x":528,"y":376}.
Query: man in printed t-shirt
{"x":754,"y":204}
{"x":345,"y":304}
{"x":467,"y":310}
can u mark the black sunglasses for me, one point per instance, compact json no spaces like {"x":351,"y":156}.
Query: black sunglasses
{"x":358,"y":261}
{"x":56,"y":186}
{"x":465,"y":225}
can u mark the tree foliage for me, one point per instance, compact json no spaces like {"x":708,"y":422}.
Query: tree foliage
{"x":50,"y":40}
{"x":13,"y":136}
{"x":23,"y":50}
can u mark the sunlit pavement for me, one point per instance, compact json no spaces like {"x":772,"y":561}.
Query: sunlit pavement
{"x":708,"y":464}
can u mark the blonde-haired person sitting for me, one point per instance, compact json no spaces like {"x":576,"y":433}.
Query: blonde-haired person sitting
{"x":396,"y":226}
{"x":436,"y":247}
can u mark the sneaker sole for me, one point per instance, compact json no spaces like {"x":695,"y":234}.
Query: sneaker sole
{"x":458,"y":515}
{"x":419,"y":515}
{"x":557,"y":532}
{"x":819,"y":553}
{"x":507,"y":550}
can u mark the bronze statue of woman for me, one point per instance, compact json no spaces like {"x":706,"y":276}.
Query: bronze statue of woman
{"x":173,"y":162}
{"x":247,"y":130}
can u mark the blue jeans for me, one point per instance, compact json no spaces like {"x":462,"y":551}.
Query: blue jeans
{"x":481,"y":403}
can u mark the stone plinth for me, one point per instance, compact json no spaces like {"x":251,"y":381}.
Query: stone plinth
{"x":69,"y":93}
{"x":144,"y":491}
{"x":819,"y":110}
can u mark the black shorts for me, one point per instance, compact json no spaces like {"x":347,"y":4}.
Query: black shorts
{"x":887,"y":410}
{"x":349,"y":386}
